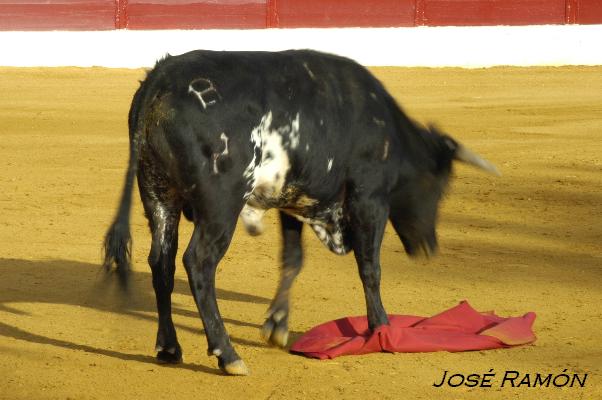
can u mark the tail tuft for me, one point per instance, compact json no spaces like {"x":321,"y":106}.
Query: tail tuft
{"x":118,"y":250}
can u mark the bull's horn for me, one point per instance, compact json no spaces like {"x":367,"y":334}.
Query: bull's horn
{"x":468,"y":157}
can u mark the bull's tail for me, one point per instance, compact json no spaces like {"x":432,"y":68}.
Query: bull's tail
{"x":118,"y":241}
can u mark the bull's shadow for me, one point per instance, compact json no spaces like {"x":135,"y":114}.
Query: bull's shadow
{"x":88,"y":285}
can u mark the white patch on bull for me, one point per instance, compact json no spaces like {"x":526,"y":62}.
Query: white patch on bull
{"x":320,"y":232}
{"x":291,"y":131}
{"x":252,"y":219}
{"x":305,"y":201}
{"x":330,"y":160}
{"x":266,"y":177}
{"x":274,"y":165}
{"x":373,"y":95}
{"x":224,"y":152}
{"x":309,"y":71}
{"x":330,"y":236}
{"x":279,"y":315}
{"x":379,"y":122}
{"x":215,"y":157}
{"x":249,"y":172}
{"x":307,"y":147}
{"x":329,"y":229}
{"x":308,"y":221}
{"x":206,"y":90}
{"x":337,"y":243}
{"x":386,"y":150}
{"x":224,"y":139}
{"x":294,"y":134}
{"x":171,"y":350}
{"x":160,"y":219}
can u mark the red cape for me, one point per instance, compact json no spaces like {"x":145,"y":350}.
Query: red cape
{"x":460,"y":328}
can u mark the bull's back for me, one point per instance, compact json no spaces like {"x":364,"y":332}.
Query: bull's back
{"x":321,"y":112}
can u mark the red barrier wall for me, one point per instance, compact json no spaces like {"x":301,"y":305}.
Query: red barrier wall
{"x":589,"y":11}
{"x":231,"y":14}
{"x":329,"y":13}
{"x":492,"y":12}
{"x":182,"y":14}
{"x":40,"y":15}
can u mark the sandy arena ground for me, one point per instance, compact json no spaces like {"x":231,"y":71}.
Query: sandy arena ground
{"x":528,"y":241}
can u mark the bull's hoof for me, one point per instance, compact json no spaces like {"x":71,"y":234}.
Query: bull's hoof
{"x":169,"y":356}
{"x":237,"y":367}
{"x":279,"y":337}
{"x":275,"y":330}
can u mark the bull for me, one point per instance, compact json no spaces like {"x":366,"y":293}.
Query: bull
{"x":218,"y":135}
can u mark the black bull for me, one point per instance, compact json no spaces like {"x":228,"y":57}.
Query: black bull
{"x":218,"y":135}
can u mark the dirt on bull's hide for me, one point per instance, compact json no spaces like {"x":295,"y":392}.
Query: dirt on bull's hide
{"x":528,"y":241}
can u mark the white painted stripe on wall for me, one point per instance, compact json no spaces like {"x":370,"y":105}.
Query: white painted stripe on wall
{"x":470,"y":47}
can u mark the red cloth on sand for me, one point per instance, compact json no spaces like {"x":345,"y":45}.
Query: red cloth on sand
{"x":460,"y":328}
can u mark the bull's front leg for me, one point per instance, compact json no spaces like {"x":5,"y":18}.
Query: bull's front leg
{"x":368,"y":221}
{"x":275,"y":328}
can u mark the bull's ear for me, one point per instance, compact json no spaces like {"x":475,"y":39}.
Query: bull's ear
{"x":464,"y":155}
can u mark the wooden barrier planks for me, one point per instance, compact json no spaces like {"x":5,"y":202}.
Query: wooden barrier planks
{"x":350,"y":13}
{"x":41,"y":15}
{"x":589,"y":12}
{"x":256,"y":14}
{"x":492,"y":12}
{"x":199,"y":14}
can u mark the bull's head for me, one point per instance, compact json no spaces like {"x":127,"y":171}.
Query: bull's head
{"x":423,"y":179}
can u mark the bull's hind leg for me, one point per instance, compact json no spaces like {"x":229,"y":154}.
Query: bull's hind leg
{"x":164,"y":216}
{"x":214,"y":227}
{"x":275,"y":328}
{"x":368,"y":221}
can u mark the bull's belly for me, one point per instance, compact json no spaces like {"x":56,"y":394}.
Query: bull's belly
{"x":329,"y":222}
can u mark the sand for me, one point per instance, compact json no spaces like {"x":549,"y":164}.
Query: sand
{"x":530,"y":240}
